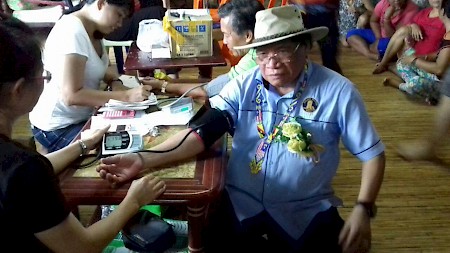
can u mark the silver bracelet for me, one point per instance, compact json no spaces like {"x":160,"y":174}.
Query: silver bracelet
{"x":83,"y":147}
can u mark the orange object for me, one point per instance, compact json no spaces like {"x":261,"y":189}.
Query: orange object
{"x":233,"y":60}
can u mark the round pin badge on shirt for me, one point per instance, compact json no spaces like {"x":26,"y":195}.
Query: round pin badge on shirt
{"x":310,"y":104}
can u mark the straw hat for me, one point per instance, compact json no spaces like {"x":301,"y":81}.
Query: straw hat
{"x":279,"y":23}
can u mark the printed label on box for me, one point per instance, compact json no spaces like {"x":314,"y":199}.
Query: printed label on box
{"x":196,"y":29}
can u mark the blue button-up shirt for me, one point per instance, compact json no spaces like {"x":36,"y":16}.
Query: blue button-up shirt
{"x":290,"y":187}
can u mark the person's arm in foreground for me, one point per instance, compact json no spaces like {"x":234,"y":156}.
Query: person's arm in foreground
{"x":71,"y":236}
{"x":357,"y":226}
{"x":60,"y":159}
{"x":122,"y":168}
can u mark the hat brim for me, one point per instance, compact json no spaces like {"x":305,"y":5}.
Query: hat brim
{"x":317,"y":33}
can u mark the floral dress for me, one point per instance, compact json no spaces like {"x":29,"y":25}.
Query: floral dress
{"x":347,"y":18}
{"x":418,"y":82}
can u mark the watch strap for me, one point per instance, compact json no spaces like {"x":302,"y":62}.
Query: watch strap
{"x":370,"y":208}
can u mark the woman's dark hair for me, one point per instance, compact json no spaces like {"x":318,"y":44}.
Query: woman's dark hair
{"x":446,"y":7}
{"x":20,"y":51}
{"x":242,"y":13}
{"x":127,"y":4}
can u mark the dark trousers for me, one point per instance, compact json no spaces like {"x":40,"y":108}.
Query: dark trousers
{"x":329,"y":44}
{"x":261,"y":233}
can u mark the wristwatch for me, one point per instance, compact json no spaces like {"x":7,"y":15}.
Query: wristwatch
{"x":371,"y":208}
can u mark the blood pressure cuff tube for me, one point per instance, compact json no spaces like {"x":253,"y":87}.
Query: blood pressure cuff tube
{"x":210,"y":125}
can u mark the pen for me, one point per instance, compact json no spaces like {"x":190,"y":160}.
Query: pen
{"x":137,"y":79}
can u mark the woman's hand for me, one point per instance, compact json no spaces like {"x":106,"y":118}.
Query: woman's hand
{"x":119,"y":169}
{"x":93,"y":138}
{"x":388,"y":13}
{"x":146,"y":189}
{"x":416,"y":33}
{"x":138,"y":94}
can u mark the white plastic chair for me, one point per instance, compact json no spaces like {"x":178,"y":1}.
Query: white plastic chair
{"x":118,"y":47}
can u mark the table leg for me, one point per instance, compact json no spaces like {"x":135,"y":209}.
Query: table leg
{"x":196,"y":215}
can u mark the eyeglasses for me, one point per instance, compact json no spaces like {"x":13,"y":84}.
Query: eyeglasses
{"x":283,"y":55}
{"x":46,"y":75}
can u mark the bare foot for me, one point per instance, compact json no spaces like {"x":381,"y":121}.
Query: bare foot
{"x":344,"y":42}
{"x":391,"y":83}
{"x":379,"y":69}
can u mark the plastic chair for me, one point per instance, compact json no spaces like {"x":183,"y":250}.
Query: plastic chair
{"x":118,"y":47}
{"x":273,"y":3}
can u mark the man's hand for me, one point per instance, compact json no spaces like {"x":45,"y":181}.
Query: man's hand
{"x":119,"y":169}
{"x":155,"y":83}
{"x":355,"y":236}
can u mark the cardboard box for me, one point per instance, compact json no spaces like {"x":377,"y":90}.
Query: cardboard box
{"x":193,"y":36}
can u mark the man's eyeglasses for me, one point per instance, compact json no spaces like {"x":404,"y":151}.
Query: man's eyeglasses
{"x":46,"y":76}
{"x":283,"y":55}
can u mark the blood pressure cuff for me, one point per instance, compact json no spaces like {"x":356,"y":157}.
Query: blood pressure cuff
{"x":210,"y":124}
{"x":147,"y":232}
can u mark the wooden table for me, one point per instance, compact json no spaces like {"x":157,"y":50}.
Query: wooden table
{"x":142,"y":61}
{"x":194,"y":193}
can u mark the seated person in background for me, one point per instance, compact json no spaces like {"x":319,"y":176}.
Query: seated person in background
{"x":388,"y":16}
{"x":278,"y":195}
{"x":323,"y":13}
{"x":77,"y":69}
{"x":32,"y":207}
{"x":422,"y":75}
{"x":426,"y":147}
{"x":237,"y":22}
{"x":150,"y":9}
{"x":353,"y":14}
{"x":424,"y":35}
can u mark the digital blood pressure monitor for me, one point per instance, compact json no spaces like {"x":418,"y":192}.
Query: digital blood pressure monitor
{"x":121,"y":142}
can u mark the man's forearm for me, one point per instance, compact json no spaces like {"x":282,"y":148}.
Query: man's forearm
{"x":372,"y":178}
{"x":190,"y":147}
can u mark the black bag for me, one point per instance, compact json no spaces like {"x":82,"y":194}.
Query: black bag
{"x":147,"y":232}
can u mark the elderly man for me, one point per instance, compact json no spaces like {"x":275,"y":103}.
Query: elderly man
{"x":288,"y":116}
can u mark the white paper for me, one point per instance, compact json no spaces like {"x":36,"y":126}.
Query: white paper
{"x":160,"y":52}
{"x":113,"y":104}
{"x":162,"y":118}
{"x":130,"y":81}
